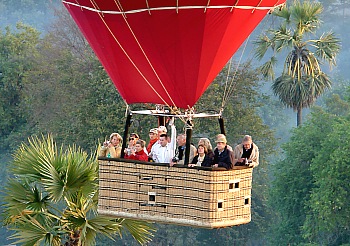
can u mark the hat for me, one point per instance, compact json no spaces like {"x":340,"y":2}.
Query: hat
{"x":135,"y":135}
{"x":153,"y":130}
{"x":162,"y":129}
{"x":221,"y":139}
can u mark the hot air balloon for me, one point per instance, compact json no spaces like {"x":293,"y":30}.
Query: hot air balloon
{"x":167,"y":52}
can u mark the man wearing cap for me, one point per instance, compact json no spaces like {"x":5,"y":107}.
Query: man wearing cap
{"x":246,"y":153}
{"x":153,"y":136}
{"x":222,"y":155}
{"x":162,"y":130}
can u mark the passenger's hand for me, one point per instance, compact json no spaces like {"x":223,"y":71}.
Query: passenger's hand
{"x":216,"y":165}
{"x":191,"y":165}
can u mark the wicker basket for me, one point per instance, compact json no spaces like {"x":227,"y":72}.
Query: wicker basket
{"x":201,"y":197}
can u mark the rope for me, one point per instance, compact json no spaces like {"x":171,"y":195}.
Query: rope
{"x":120,"y":7}
{"x":149,"y":11}
{"x":228,"y":92}
{"x":233,"y":6}
{"x":126,"y":54}
{"x":232,"y":85}
{"x":226,"y":82}
{"x":176,"y":8}
{"x":257,"y":6}
{"x":149,"y":62}
{"x":205,"y":9}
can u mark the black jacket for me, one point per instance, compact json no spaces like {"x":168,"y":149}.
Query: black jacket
{"x":224,"y":159}
{"x":207,"y":162}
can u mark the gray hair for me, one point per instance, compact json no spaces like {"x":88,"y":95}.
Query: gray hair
{"x":206,"y":143}
{"x":247,"y":138}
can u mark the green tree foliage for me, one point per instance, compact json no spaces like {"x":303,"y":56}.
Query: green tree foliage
{"x":53,"y":198}
{"x":310,"y":191}
{"x":302,"y":80}
{"x":328,"y":219}
{"x":293,"y":178}
{"x":17,"y":56}
{"x":69,"y":93}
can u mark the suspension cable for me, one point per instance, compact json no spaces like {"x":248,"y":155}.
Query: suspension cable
{"x":126,"y":54}
{"x":228,"y":91}
{"x":149,"y":62}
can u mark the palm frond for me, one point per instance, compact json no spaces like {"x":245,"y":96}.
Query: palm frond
{"x":282,"y":38}
{"x":141,"y":231}
{"x":301,"y":62}
{"x":22,"y":199}
{"x":327,"y":47}
{"x":306,"y":15}
{"x":29,"y":157}
{"x":283,"y":13}
{"x":267,"y":68}
{"x":30,"y":232}
{"x":53,"y":197}
{"x":301,"y":93}
{"x":262,"y":44}
{"x":81,"y":172}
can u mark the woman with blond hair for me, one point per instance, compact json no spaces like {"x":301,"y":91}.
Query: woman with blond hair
{"x":113,"y":147}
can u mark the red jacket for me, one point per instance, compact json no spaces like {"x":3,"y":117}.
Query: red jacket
{"x":140,"y":156}
{"x":149,"y":146}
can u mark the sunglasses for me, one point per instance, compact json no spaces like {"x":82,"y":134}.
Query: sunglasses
{"x":131,"y":139}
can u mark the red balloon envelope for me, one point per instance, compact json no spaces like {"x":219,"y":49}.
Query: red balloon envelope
{"x":162,"y":51}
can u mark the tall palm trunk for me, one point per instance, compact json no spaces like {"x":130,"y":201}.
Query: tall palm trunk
{"x":73,"y":239}
{"x":299,"y":116}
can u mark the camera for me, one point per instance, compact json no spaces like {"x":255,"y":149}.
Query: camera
{"x":175,"y":159}
{"x":247,"y":162}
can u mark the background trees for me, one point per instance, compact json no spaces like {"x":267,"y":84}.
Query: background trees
{"x":309,"y":192}
{"x":17,"y":56}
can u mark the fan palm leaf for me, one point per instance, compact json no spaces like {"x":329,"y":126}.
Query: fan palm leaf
{"x":30,"y":231}
{"x":54,"y":197}
{"x":327,"y":46}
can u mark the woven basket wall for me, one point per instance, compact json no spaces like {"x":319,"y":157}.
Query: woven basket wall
{"x":176,"y":195}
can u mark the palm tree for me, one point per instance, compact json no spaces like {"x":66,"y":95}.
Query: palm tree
{"x":302,"y":80}
{"x":52,"y":198}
